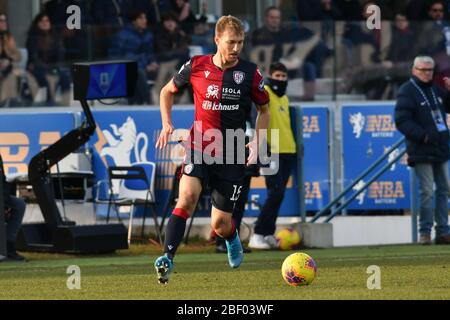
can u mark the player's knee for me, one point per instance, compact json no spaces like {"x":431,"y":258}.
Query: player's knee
{"x":187,"y":201}
{"x":220,"y":225}
{"x":217,"y":225}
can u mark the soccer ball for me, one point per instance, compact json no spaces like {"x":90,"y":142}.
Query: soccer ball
{"x":288,"y":239}
{"x":298,"y":269}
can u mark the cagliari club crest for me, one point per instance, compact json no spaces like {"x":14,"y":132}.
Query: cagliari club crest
{"x":238,"y":77}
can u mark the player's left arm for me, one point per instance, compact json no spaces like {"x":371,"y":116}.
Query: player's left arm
{"x":261,"y":126}
{"x":261,"y":99}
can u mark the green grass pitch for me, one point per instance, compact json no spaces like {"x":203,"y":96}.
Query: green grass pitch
{"x":407,"y":272}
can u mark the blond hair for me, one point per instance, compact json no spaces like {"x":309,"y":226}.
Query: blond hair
{"x":231,"y":23}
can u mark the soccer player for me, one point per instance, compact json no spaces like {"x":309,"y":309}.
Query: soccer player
{"x":224,"y":87}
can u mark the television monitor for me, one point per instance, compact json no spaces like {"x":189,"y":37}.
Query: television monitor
{"x":104,"y":79}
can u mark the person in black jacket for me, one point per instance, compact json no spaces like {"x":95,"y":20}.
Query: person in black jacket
{"x":171,"y":43}
{"x":420,"y":113}
{"x":14,"y":212}
{"x":46,"y":55}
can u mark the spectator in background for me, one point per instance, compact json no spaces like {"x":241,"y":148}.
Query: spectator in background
{"x":75,"y":41}
{"x":297,"y":47}
{"x":309,"y":10}
{"x":393,"y":7}
{"x":153,"y":10}
{"x":135,"y":42}
{"x":14,"y":212}
{"x":446,"y":9}
{"x":436,"y":33}
{"x":400,"y":53}
{"x":402,"y":37}
{"x":116,"y":13}
{"x":372,"y":80}
{"x":417,"y":10}
{"x":434,"y":39}
{"x":171,"y":43}
{"x":110,"y":16}
{"x":436,"y":12}
{"x":329,"y":14}
{"x":323,"y":16}
{"x":367,"y":49}
{"x":203,"y":32}
{"x":172,"y":49}
{"x":356,"y":33}
{"x":313,"y":10}
{"x":57,"y":11}
{"x":111,"y":13}
{"x":285,"y":147}
{"x":350,"y":9}
{"x":325,"y":11}
{"x":186,"y":17}
{"x":329,"y":10}
{"x":8,"y":55}
{"x":46,"y":57}
{"x":8,"y":48}
{"x":388,"y":8}
{"x":420,"y":114}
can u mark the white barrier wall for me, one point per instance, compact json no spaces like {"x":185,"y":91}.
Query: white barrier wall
{"x":377,"y":230}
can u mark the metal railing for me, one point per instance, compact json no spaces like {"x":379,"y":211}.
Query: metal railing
{"x":329,"y":207}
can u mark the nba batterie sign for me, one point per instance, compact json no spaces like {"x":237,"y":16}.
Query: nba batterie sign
{"x":317,"y":156}
{"x":23,"y":135}
{"x":368,"y":132}
{"x":315,"y":122}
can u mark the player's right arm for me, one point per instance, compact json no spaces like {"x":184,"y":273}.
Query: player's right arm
{"x":166,"y":98}
{"x":166,"y":102}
